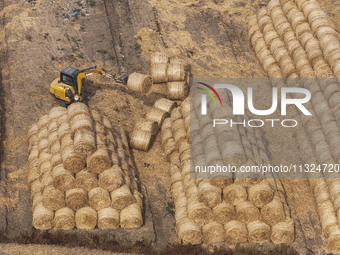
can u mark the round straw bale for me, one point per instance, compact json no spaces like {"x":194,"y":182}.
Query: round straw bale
{"x":56,"y":112}
{"x":84,"y":142}
{"x":141,"y":140}
{"x":64,"y":219}
{"x":99,"y":198}
{"x":169,"y":147}
{"x":36,"y":187}
{"x":261,"y":194}
{"x":235,"y":232}
{"x":34,"y":130}
{"x":81,"y":122}
{"x":86,"y":218}
{"x":179,"y":135}
{"x":62,"y":178}
{"x":107,"y":122}
{"x":174,"y":158}
{"x":43,"y":145}
{"x":86,"y":180}
{"x":159,"y":57}
{"x":56,"y":160}
{"x":199,"y":212}
{"x":159,"y":73}
{"x":185,"y":155}
{"x":247,"y":212}
{"x":52,"y":126}
{"x":157,"y":115}
{"x":53,"y":198}
{"x":235,"y":194}
{"x":188,"y":232}
{"x":72,"y":160}
{"x":165,"y":105}
{"x":166,"y":135}
{"x":176,"y":114}
{"x":108,"y":218}
{"x":147,"y":126}
{"x":176,"y":72}
{"x":34,"y":172}
{"x":42,"y":217}
{"x":96,"y":116}
{"x":131,"y":217}
{"x":111,"y":178}
{"x":62,"y":119}
{"x":223,"y":212}
{"x":273,"y":212}
{"x":43,"y":121}
{"x":63,"y":130}
{"x":99,"y":161}
{"x":36,"y":199}
{"x":76,"y":198}
{"x":121,"y":197}
{"x":34,"y":154}
{"x":213,"y":233}
{"x":46,"y":179}
{"x":177,"y":124}
{"x":333,"y":242}
{"x":77,"y":109}
{"x":283,"y":232}
{"x":166,"y":124}
{"x":209,"y":194}
{"x":327,"y":217}
{"x":177,"y":90}
{"x":259,"y":232}
{"x":139,"y":82}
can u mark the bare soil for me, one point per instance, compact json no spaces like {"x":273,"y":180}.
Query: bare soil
{"x":36,"y":42}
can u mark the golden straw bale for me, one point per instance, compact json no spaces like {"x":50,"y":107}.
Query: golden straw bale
{"x":99,"y":198}
{"x":139,"y":82}
{"x":36,"y":199}
{"x":72,"y":160}
{"x":121,"y":197}
{"x":84,"y":142}
{"x":64,"y":219}
{"x":224,"y":212}
{"x":159,"y":57}
{"x":199,"y":212}
{"x":46,"y":179}
{"x":42,"y":217}
{"x":62,"y":119}
{"x":327,"y":217}
{"x":77,"y":109}
{"x":235,"y":194}
{"x":247,"y":212}
{"x":283,"y":232}
{"x":157,"y":115}
{"x":36,"y":187}
{"x":131,"y":217}
{"x":168,"y":147}
{"x":76,"y":198}
{"x":261,"y":194}
{"x":43,"y":121}
{"x":99,"y":161}
{"x":209,"y":194}
{"x":86,"y":180}
{"x":108,"y":218}
{"x":333,"y":242}
{"x":159,"y":73}
{"x":56,"y":160}
{"x":111,"y":178}
{"x":176,"y":72}
{"x":165,"y":105}
{"x":62,"y":178}
{"x":81,"y":122}
{"x":63,"y":130}
{"x":235,"y":232}
{"x":177,"y":90}
{"x":43,"y":145}
{"x":56,"y":112}
{"x":86,"y":218}
{"x":53,"y":198}
{"x":147,"y":126}
{"x":259,"y":232}
{"x":34,"y":172}
{"x":188,"y":232}
{"x":213,"y":233}
{"x":141,"y":140}
{"x":273,"y":212}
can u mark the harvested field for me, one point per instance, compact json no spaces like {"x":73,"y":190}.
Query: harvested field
{"x":38,"y":41}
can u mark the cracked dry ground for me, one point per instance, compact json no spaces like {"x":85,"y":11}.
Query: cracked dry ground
{"x":36,"y":42}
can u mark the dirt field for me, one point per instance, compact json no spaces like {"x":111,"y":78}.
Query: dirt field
{"x":36,"y":42}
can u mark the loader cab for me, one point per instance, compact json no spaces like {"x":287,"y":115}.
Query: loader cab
{"x":69,"y":76}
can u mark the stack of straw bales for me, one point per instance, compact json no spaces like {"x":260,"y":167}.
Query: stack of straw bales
{"x":81,"y":172}
{"x":147,"y":128}
{"x":296,"y":39}
{"x":226,"y":209}
{"x":173,"y":72}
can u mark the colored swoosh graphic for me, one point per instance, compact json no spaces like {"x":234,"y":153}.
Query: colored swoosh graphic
{"x":208,"y":86}
{"x":208,"y":92}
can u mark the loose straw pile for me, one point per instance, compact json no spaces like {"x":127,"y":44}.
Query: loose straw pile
{"x":81,"y":172}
